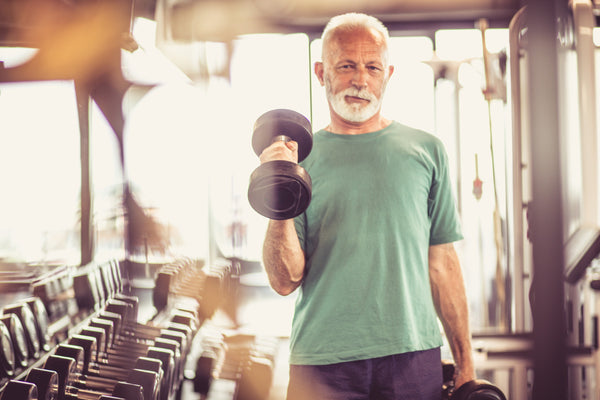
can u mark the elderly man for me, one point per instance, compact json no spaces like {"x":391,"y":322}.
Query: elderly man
{"x":373,"y":254}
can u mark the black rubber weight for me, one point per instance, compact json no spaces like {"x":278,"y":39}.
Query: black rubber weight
{"x":19,"y":390}
{"x":46,"y":382}
{"x":282,"y":122}
{"x":478,"y":389}
{"x":280,"y":190}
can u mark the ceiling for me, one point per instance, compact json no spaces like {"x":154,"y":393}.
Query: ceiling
{"x":197,"y":20}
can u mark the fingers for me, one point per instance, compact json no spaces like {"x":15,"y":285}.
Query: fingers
{"x":279,"y":150}
{"x":460,"y":379}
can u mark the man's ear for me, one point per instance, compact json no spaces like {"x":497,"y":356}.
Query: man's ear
{"x":319,"y":70}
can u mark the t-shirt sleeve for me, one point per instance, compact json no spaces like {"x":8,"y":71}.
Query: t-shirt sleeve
{"x":443,"y":215}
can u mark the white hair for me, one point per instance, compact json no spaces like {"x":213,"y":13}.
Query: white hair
{"x":353,"y":21}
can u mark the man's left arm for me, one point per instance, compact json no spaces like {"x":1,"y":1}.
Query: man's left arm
{"x":450,"y":300}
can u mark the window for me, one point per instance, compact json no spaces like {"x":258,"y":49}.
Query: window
{"x":39,"y":169}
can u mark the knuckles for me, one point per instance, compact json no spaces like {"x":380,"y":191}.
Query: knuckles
{"x":280,"y":151}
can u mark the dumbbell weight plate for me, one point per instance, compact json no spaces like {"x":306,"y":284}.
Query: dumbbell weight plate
{"x":27,"y":318}
{"x":17,"y":335}
{"x":18,"y":390}
{"x":7,"y":357}
{"x":148,"y":380}
{"x":128,"y":391}
{"x":282,"y":122}
{"x":256,"y":380}
{"x":478,"y":389}
{"x":204,"y":371}
{"x":280,"y":190}
{"x":65,"y":367}
{"x":41,"y":319}
{"x":46,"y":382}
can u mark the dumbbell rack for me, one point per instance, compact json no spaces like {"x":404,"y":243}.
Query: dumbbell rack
{"x":224,"y":364}
{"x":66,"y":304}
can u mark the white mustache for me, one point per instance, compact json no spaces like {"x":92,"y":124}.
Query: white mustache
{"x":360,"y":93}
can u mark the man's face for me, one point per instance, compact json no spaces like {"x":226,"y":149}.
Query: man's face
{"x":355,"y":74}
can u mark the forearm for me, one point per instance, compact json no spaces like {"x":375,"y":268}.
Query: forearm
{"x":450,"y":301}
{"x":283,"y":257}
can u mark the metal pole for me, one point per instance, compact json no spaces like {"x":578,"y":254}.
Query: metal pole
{"x":550,"y":370}
{"x":87,"y":226}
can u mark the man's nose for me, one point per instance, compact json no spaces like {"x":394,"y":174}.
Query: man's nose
{"x":359,"y":79}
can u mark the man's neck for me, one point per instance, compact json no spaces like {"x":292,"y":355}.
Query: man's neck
{"x":343,"y":127}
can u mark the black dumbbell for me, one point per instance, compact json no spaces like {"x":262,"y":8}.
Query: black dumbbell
{"x":97,"y":284}
{"x":255,"y":380}
{"x":7,"y":354}
{"x":42,"y":321}
{"x":180,"y":329}
{"x":250,"y":362}
{"x":82,"y":349}
{"x":477,"y":389}
{"x":23,"y":312}
{"x":281,"y":189}
{"x":17,"y":335}
{"x":124,"y":360}
{"x":102,"y":330}
{"x":212,"y":354}
{"x":71,"y":383}
{"x":203,"y":376}
{"x":156,"y":336}
{"x":97,"y":379}
{"x":46,"y":382}
{"x":128,"y":328}
{"x":18,"y":390}
{"x":256,"y":375}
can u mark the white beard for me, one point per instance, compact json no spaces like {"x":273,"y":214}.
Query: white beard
{"x":353,"y":112}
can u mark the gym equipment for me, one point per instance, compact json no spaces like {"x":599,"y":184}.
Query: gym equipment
{"x":94,"y":334}
{"x":17,"y":390}
{"x":7,"y":355}
{"x":124,"y":358}
{"x":41,"y":321}
{"x":281,"y":189}
{"x":141,"y":384}
{"x":246,"y":359}
{"x":27,"y":319}
{"x":477,"y":389}
{"x":19,"y":342}
{"x":46,"y":382}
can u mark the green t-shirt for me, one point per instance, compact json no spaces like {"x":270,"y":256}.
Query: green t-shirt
{"x":379,"y":200}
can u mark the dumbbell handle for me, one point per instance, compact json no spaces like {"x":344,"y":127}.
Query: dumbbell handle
{"x":281,"y":138}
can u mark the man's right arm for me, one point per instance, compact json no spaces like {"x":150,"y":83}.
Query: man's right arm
{"x":283,"y":256}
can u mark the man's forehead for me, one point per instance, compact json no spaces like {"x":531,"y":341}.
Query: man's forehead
{"x":364,"y":41}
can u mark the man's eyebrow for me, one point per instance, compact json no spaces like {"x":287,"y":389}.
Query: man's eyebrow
{"x":345,"y":61}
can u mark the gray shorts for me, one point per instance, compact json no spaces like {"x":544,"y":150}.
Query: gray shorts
{"x":413,"y":376}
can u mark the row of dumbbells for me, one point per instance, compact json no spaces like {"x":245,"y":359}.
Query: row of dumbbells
{"x":95,"y":284}
{"x":55,"y":290}
{"x":212,"y":286}
{"x":246,"y":360}
{"x":113,"y":357}
{"x":23,"y":335}
{"x":112,"y":339}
